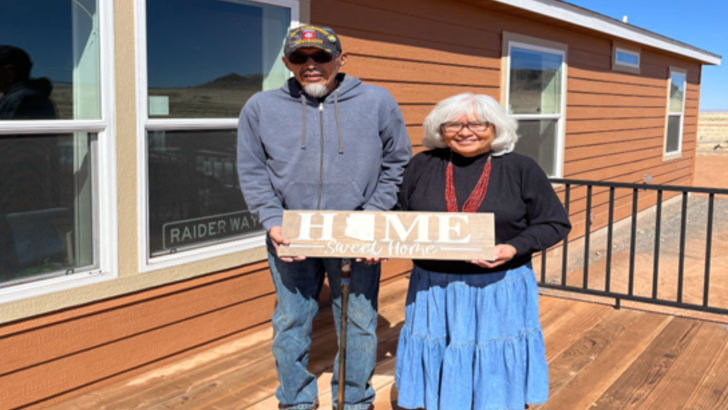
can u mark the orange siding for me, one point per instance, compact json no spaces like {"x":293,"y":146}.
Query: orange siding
{"x":422,"y":51}
{"x":61,"y":355}
{"x":425,"y":50}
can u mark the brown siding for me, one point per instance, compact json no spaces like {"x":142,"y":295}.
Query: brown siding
{"x":425,"y":50}
{"x":422,"y":51}
{"x":52,"y":358}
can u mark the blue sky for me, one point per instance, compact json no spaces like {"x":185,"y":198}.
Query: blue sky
{"x":700,"y":23}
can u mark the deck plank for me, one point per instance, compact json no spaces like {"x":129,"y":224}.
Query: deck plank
{"x":597,"y":355}
{"x":712,"y":392}
{"x":683,"y":377}
{"x":564,"y":368}
{"x":569,"y":331}
{"x":581,"y":392}
{"x":638,"y":381}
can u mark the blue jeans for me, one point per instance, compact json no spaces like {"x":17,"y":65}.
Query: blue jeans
{"x":298,"y":286}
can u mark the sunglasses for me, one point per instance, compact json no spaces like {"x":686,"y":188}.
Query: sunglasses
{"x":302,"y":58}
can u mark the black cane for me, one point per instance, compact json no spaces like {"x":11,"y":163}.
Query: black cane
{"x":345,"y":282}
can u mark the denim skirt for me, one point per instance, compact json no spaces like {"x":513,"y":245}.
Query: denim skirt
{"x":472,"y":342}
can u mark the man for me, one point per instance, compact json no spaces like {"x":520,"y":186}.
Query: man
{"x":22,"y":98}
{"x":322,"y":141}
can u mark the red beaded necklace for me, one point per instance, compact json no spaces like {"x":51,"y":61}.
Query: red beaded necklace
{"x":476,"y":197}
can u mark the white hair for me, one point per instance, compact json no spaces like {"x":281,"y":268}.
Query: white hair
{"x":484,"y":108}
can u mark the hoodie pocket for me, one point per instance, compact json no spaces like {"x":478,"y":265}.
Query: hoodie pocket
{"x":335,"y":195}
{"x":300,"y":195}
{"x":342,"y":195}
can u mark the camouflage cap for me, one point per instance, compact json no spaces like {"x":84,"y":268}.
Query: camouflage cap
{"x":310,"y":36}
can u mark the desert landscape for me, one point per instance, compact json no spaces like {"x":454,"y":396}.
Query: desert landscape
{"x":713,"y":131}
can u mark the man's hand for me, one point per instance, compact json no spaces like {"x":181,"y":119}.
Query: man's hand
{"x":371,"y":261}
{"x":503,"y":253}
{"x":277,"y":238}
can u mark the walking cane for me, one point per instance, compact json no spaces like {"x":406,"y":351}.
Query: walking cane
{"x":345,"y":282}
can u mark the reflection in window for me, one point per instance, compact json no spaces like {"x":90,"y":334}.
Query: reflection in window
{"x":676,"y":104}
{"x":49,"y":59}
{"x":628,"y":58}
{"x":677,"y":92}
{"x":673,"y":134}
{"x":194,"y":193}
{"x":535,"y":82}
{"x":535,"y":98}
{"x":538,"y":140}
{"x":46,"y":205}
{"x":207,"y":57}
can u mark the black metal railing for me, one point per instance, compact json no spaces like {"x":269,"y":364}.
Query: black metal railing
{"x":560,"y":278}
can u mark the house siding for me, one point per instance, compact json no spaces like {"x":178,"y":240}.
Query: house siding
{"x":425,"y":51}
{"x":422,"y":51}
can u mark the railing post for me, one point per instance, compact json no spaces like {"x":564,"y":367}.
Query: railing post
{"x":565,"y":256}
{"x":633,"y":240}
{"x":708,"y":249}
{"x":610,"y":237}
{"x":656,"y":261}
{"x":587,"y":236}
{"x":681,"y":261}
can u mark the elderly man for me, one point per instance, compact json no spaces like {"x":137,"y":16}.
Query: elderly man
{"x":323,"y":141}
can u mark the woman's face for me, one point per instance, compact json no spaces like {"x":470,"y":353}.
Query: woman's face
{"x":466,"y":141}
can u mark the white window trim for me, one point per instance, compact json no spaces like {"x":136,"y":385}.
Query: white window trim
{"x":628,"y":52}
{"x":678,"y":153}
{"x":144,"y":123}
{"x":561,"y":127}
{"x":107,"y":267}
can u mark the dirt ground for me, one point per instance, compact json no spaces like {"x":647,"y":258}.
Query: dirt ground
{"x":711,"y":171}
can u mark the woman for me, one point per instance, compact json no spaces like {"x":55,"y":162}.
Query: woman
{"x":472,"y":337}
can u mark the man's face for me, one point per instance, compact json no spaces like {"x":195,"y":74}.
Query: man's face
{"x":315,"y":66}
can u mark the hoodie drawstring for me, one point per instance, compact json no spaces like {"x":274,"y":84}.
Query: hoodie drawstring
{"x":303,"y":130}
{"x":338,"y":121}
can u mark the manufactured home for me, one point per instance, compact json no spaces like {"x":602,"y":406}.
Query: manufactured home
{"x":125,"y":243}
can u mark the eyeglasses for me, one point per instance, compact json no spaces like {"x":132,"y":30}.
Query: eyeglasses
{"x":453,"y":127}
{"x":302,"y":58}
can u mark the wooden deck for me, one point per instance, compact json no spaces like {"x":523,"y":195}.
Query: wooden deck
{"x":599,"y":357}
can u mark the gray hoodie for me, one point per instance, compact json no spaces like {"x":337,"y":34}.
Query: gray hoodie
{"x":345,"y":153}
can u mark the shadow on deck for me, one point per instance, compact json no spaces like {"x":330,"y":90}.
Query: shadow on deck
{"x":599,"y":358}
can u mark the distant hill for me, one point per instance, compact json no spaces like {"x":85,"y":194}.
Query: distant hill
{"x":234,"y":81}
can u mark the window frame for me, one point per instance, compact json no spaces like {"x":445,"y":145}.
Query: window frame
{"x":678,"y":153}
{"x":545,"y":46}
{"x":623,"y":66}
{"x":106,"y":265}
{"x":144,"y":124}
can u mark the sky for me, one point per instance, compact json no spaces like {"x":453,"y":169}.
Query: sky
{"x":700,"y":23}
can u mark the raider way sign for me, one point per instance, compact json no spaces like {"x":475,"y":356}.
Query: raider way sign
{"x":404,"y":235}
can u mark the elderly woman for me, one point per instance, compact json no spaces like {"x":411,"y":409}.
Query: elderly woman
{"x":472,"y":337}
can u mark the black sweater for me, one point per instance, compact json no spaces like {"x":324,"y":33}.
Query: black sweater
{"x":528,"y":214}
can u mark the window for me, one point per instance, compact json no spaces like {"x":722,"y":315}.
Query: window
{"x":535,"y":96}
{"x":57,"y":186}
{"x":675,"y":111}
{"x":195,"y":83}
{"x":626,"y":59}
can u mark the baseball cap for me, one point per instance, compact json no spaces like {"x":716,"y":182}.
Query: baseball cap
{"x":311,"y":36}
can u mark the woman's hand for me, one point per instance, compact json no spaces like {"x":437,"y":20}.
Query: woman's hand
{"x":277,"y":239}
{"x":371,"y":261}
{"x":503,"y":253}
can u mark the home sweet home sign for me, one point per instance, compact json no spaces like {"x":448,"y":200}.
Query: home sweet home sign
{"x":403,"y":235}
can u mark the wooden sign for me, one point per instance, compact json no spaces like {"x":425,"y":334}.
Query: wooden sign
{"x":399,"y":235}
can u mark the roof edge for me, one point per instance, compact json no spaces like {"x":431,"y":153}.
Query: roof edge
{"x":592,"y":20}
